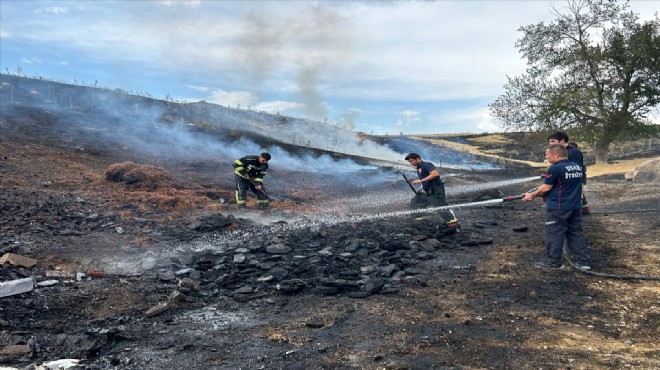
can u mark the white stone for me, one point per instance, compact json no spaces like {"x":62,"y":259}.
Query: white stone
{"x":18,"y":286}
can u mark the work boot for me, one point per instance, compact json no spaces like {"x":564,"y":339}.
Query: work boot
{"x":454,"y":223}
{"x":421,"y":216}
{"x":454,"y":226}
{"x":549,"y":265}
{"x":582,"y":265}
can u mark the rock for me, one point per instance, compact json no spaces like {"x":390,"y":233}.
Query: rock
{"x":648,"y":172}
{"x":315,"y":323}
{"x":48,"y":283}
{"x":239,"y":258}
{"x":17,"y":260}
{"x":176,"y":296}
{"x":155,"y":310}
{"x":166,"y":276}
{"x":13,"y":287}
{"x":429,"y":245}
{"x":368,"y":269}
{"x":15,"y":350}
{"x":278,"y":249}
{"x":291,"y":286}
{"x":372,"y":286}
{"x":393,"y":245}
{"x":359,"y":295}
{"x":278,"y":273}
{"x":244,"y":290}
{"x":190,"y":284}
{"x":211,"y":222}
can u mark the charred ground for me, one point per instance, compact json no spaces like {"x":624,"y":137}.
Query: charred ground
{"x":156,"y":269}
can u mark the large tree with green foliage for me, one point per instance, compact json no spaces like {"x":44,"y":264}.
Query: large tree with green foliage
{"x":594,"y":72}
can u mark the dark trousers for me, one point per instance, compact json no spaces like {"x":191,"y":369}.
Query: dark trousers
{"x":242,"y":186}
{"x":437,"y":198}
{"x":560,"y":226}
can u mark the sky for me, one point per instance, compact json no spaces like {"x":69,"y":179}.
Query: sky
{"x":379,"y":67}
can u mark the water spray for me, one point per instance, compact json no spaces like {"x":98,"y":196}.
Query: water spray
{"x":335,"y":217}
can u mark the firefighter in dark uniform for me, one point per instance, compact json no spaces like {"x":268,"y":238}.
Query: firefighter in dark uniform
{"x":575,"y":156}
{"x":249,"y":173}
{"x":434,"y":188}
{"x":562,"y":189}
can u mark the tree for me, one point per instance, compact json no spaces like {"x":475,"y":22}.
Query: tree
{"x":593,"y":72}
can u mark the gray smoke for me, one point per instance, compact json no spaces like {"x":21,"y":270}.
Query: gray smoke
{"x":304,"y":45}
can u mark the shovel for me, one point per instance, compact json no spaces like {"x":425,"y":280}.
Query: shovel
{"x":420,"y":200}
{"x":260,"y":189}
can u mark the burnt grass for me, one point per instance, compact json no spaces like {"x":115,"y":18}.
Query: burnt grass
{"x":146,"y":264}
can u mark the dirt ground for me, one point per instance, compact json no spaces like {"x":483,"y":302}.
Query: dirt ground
{"x":162,"y":272}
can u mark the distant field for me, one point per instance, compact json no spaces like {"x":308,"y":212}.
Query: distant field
{"x":496,"y":140}
{"x":615,"y":167}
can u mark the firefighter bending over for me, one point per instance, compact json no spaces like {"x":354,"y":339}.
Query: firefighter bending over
{"x":434,"y":188}
{"x":249,"y":173}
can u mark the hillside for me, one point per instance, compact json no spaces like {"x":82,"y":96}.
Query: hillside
{"x":124,"y":219}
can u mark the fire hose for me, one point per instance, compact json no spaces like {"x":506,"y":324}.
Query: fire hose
{"x":611,"y":276}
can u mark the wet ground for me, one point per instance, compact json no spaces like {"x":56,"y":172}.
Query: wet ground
{"x":165,"y":273}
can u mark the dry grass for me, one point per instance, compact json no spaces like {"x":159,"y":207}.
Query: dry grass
{"x":470,"y":149}
{"x":615,"y":167}
{"x":142,"y":176}
{"x":490,"y":139}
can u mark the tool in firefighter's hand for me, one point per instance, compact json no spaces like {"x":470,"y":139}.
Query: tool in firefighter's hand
{"x":522,"y":196}
{"x":509,"y":198}
{"x":410,"y":184}
{"x":529,"y":191}
{"x":260,"y":188}
{"x":513,"y":197}
{"x":517,"y":197}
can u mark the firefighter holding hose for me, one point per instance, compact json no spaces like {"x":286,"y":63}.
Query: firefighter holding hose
{"x":433,"y":186}
{"x":562,"y":189}
{"x":249,"y":173}
{"x":575,"y":156}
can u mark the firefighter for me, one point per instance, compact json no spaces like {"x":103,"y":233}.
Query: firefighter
{"x":562,"y":188}
{"x":575,"y":156}
{"x":434,"y":188}
{"x":249,"y":173}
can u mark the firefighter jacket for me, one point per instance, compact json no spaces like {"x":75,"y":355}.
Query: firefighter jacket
{"x":249,"y":167}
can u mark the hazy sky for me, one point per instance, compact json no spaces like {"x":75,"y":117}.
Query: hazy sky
{"x":384,"y":67}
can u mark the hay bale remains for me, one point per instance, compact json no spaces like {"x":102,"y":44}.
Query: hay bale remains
{"x":139,"y":176}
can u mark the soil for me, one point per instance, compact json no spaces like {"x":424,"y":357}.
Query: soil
{"x":145,"y":263}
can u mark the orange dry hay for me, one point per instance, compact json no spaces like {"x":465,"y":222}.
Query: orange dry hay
{"x":139,"y":176}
